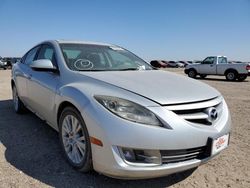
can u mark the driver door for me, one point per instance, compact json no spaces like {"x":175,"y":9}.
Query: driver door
{"x":42,"y":86}
{"x":208,"y":66}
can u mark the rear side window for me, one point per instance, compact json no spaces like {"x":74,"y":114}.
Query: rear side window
{"x":222,"y":60}
{"x":47,"y":52}
{"x":30,"y":56}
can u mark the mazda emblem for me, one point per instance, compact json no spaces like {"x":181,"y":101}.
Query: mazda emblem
{"x":212,"y":114}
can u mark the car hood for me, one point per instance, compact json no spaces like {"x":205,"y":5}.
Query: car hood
{"x":160,"y":86}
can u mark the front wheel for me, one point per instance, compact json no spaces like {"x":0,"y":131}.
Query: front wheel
{"x":242,"y":77}
{"x":75,"y":140}
{"x":17,"y":103}
{"x":192,"y":73}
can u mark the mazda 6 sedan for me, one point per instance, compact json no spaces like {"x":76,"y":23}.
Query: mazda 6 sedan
{"x":116,"y":114}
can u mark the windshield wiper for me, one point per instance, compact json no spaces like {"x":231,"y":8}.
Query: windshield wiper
{"x":140,"y":68}
{"x":125,"y":69}
{"x":128,"y":69}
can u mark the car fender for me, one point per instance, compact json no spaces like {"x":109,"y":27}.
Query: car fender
{"x":72,"y":95}
{"x":82,"y":102}
{"x":190,"y":68}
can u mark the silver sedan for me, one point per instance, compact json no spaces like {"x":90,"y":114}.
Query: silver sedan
{"x":116,"y":114}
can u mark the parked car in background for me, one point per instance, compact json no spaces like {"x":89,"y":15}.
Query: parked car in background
{"x":7,"y":61}
{"x":180,"y":64}
{"x":184,"y":63}
{"x":170,"y":64}
{"x":3,"y":64}
{"x":218,"y":65}
{"x":115,"y":114}
{"x":158,"y":64}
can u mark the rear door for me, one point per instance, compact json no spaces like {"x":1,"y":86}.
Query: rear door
{"x":42,"y":86}
{"x":208,"y":66}
{"x":22,"y":74}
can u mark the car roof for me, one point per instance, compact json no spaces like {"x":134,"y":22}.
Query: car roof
{"x":216,"y":56}
{"x":82,"y":42}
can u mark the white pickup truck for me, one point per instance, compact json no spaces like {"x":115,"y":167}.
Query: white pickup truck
{"x":218,"y":65}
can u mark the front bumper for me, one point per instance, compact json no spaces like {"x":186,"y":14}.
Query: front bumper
{"x":115,"y":132}
{"x":122,"y":170}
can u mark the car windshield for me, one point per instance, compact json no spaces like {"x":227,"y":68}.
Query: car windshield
{"x":90,"y":57}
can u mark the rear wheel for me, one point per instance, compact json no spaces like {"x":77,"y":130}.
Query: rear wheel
{"x":231,"y":75}
{"x":17,"y":103}
{"x":192,"y":73}
{"x":75,"y":140}
{"x":242,"y":77}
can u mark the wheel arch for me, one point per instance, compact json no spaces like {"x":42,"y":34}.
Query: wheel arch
{"x":62,"y":106}
{"x":231,"y":70}
{"x":70,"y":96}
{"x":192,"y":68}
{"x":12,"y":83}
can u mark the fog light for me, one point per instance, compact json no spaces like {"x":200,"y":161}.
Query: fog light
{"x":128,"y":154}
{"x":143,"y":157}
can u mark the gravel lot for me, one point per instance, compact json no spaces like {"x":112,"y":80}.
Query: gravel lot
{"x":30,"y":155}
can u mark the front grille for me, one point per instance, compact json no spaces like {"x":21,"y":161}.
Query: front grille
{"x":198,"y":112}
{"x":175,"y":156}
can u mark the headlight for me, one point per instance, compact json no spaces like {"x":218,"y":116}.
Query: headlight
{"x":128,"y":110}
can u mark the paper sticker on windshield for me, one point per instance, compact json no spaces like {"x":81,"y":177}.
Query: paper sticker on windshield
{"x":116,"y":48}
{"x":142,"y":67}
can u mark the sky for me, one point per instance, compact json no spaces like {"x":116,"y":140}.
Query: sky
{"x":152,"y":29}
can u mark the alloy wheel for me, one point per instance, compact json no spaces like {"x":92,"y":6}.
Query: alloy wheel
{"x":73,"y":138}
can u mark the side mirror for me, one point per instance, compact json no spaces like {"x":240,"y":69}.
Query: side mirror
{"x":43,"y":65}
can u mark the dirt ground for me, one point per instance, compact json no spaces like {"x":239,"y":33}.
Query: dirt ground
{"x":30,"y":155}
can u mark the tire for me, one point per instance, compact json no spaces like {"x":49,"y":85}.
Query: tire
{"x":192,"y":73}
{"x":203,"y":76}
{"x":17,"y":103}
{"x":241,"y":78}
{"x":231,"y":75}
{"x":74,"y":139}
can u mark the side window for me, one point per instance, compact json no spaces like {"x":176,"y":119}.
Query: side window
{"x":29,"y":57}
{"x":208,"y":60}
{"x":222,"y":60}
{"x":47,"y":52}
